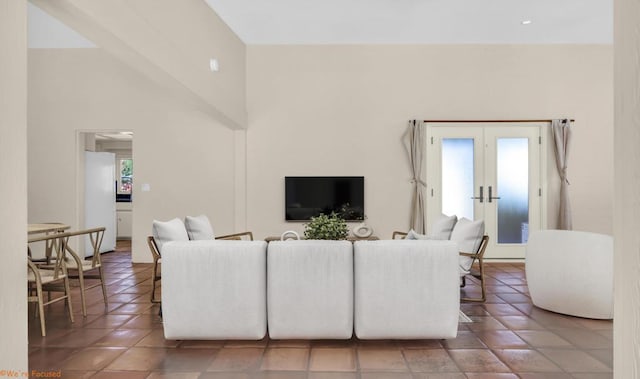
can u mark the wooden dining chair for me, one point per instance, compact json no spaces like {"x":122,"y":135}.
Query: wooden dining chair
{"x":82,"y":269}
{"x":53,"y":278}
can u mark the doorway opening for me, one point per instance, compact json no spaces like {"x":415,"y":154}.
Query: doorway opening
{"x":106,"y":175}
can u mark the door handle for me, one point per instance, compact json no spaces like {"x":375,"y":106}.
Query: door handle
{"x":492,"y":197}
{"x":481,"y":197}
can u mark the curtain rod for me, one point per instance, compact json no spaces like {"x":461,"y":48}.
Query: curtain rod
{"x":461,"y":121}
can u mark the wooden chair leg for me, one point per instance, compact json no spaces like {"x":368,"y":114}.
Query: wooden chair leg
{"x":482,"y":285}
{"x":82,"y":294}
{"x":154,"y":279}
{"x":41,"y":310}
{"x":67,"y":292}
{"x":104,"y":287}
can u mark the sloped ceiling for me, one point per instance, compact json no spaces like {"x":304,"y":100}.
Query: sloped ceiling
{"x":46,"y":32}
{"x":386,"y":22}
{"x":418,"y":21}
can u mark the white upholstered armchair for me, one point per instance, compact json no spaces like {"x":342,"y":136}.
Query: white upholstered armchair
{"x":571,"y":272}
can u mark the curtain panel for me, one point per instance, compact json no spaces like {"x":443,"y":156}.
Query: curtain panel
{"x":561,"y":131}
{"x":415,"y":145}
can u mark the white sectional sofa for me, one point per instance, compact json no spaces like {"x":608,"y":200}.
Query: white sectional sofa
{"x":401,"y":289}
{"x":214,"y":289}
{"x":406,"y":289}
{"x":310,"y":289}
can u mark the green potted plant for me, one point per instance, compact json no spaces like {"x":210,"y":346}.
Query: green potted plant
{"x":323,"y":227}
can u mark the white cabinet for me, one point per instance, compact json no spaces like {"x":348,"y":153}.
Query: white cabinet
{"x":124,"y":219}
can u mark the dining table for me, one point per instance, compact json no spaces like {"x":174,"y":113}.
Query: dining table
{"x":45,"y":228}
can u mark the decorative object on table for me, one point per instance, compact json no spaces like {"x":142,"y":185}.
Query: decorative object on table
{"x":323,"y":227}
{"x":289,"y":235}
{"x":362,"y":230}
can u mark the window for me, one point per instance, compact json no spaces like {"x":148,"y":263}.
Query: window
{"x":125,"y":183}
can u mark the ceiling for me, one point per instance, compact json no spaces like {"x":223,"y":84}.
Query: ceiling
{"x":386,"y":22}
{"x":418,"y":21}
{"x":47,"y":32}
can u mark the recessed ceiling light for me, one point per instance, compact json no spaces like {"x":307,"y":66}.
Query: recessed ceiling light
{"x":526,"y":22}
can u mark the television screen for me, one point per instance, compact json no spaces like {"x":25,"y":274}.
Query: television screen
{"x":309,"y":196}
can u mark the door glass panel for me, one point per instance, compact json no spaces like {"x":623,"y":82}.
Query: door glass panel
{"x":513,"y":190}
{"x":457,"y":177}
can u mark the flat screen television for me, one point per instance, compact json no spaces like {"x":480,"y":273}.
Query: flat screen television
{"x":309,"y":196}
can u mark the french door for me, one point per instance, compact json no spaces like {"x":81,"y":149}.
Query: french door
{"x":490,"y":172}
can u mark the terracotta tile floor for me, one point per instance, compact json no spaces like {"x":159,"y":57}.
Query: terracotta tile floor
{"x":509,"y":338}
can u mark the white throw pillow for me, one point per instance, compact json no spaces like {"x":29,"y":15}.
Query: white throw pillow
{"x":442,"y":227}
{"x":413,"y":235}
{"x":199,"y":228}
{"x":468,"y":234}
{"x":167,"y":231}
{"x":440,"y":230}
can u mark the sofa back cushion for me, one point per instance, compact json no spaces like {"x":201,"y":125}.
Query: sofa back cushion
{"x":468,"y":234}
{"x":199,"y":228}
{"x":167,"y":231}
{"x":214,"y":290}
{"x":406,"y":289}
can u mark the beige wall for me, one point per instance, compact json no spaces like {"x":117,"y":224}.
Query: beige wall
{"x":185,"y":156}
{"x":313,"y":111}
{"x":170,"y":42}
{"x":13,"y":199}
{"x":341,"y":110}
{"x":627,"y":182}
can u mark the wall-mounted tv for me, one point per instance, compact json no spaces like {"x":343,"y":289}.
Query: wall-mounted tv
{"x":309,"y":196}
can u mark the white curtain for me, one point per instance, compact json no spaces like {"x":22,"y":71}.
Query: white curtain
{"x":561,"y":130}
{"x":415,"y":144}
